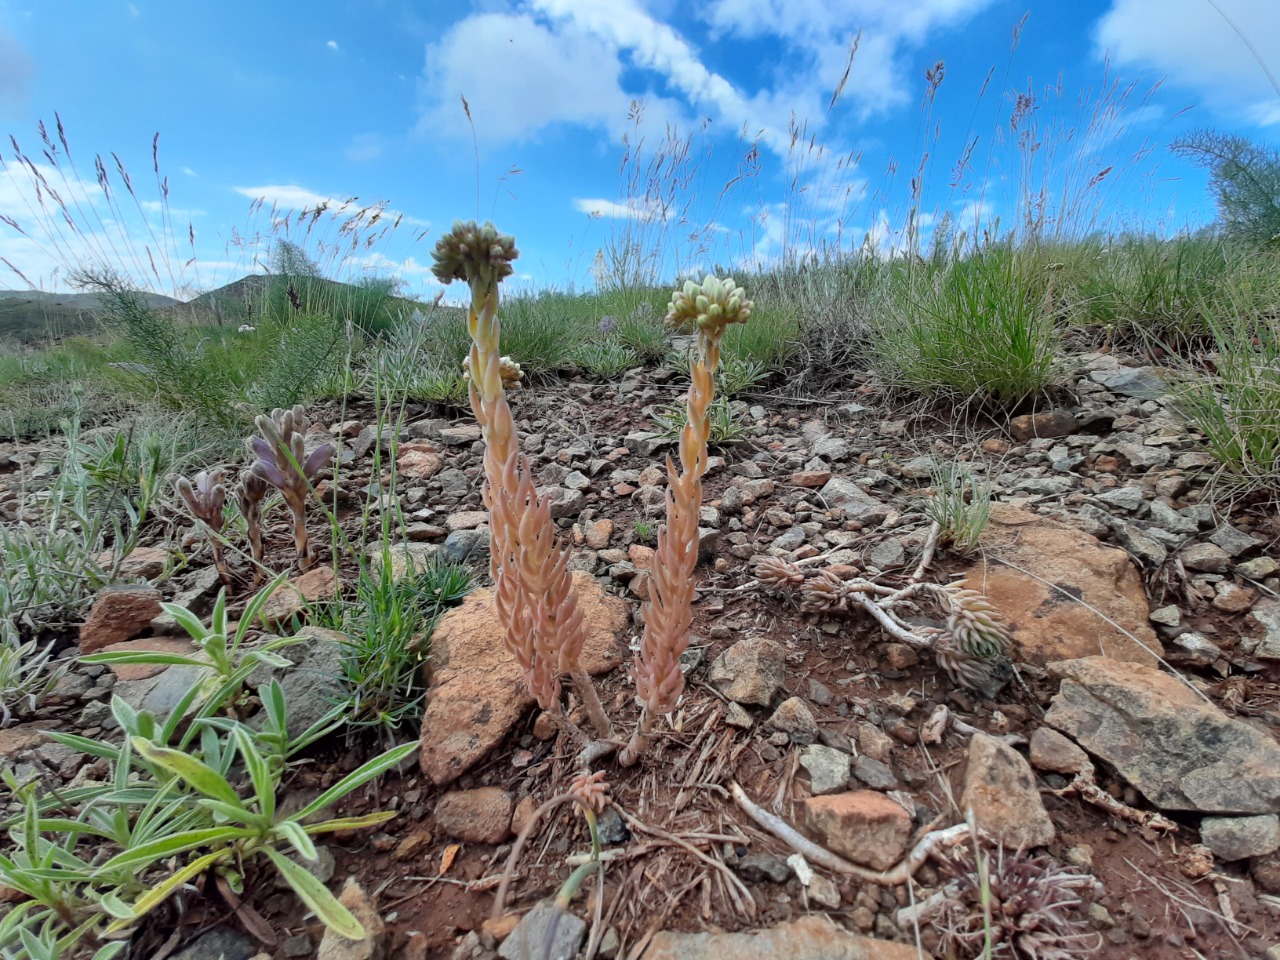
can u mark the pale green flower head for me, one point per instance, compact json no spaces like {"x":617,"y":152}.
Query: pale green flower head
{"x":470,"y":252}
{"x":709,"y":307}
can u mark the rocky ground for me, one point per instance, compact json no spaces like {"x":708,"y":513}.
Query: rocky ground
{"x":1132,"y":756}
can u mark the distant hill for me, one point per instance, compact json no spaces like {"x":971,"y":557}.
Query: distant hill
{"x":33,"y":316}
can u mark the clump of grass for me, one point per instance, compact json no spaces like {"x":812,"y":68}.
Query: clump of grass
{"x":389,"y":622}
{"x":723,"y":416}
{"x":605,"y":358}
{"x":736,"y":375}
{"x":960,"y":506}
{"x":1156,"y":289}
{"x":1235,"y":403}
{"x":978,"y":328}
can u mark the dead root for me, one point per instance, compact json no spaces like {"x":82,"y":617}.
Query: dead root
{"x":823,"y":857}
{"x":1086,"y":787}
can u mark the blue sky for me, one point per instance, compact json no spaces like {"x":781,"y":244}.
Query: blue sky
{"x":302,"y":102}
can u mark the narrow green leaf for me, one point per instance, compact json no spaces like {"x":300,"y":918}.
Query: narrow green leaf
{"x":357,"y":778}
{"x":291,"y":831}
{"x":93,"y":748}
{"x":264,"y":785}
{"x":199,"y":776}
{"x":187,"y":620}
{"x":159,"y":894}
{"x":143,"y":656}
{"x":147,"y":853}
{"x":351,"y":823}
{"x":317,"y":897}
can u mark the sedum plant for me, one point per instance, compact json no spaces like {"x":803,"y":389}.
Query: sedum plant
{"x":282,"y":461}
{"x":542,"y":625}
{"x":709,"y":308}
{"x":206,"y":498}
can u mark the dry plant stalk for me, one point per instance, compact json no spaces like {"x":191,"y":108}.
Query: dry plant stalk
{"x":668,"y":612}
{"x":250,"y":492}
{"x":206,"y":496}
{"x":542,"y":625}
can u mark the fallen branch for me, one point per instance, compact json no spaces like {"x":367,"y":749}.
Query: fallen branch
{"x":1088,"y":790}
{"x":895,"y":875}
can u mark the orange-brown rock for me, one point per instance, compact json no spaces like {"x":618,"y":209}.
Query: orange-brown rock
{"x":477,"y":693}
{"x":118,"y":613}
{"x":1056,"y":575}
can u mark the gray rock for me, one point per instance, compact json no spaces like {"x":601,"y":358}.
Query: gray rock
{"x":844,"y":493}
{"x":159,"y":694}
{"x":1234,"y":542}
{"x":313,"y":684}
{"x":1195,"y":649}
{"x":794,"y":718}
{"x":1000,"y":790}
{"x":919,"y":468}
{"x":564,"y":502}
{"x":1259,"y":568}
{"x":1206,"y":557}
{"x":1141,"y":456}
{"x":763,"y":868}
{"x":1170,"y":519}
{"x":751,"y":671}
{"x":611,"y":827}
{"x":405,"y":558}
{"x":467,"y":546}
{"x":1181,"y":752}
{"x":1236,"y":838}
{"x":526,"y":941}
{"x":828,"y":769}
{"x":1141,"y":382}
{"x":453,"y":483}
{"x":831,"y":448}
{"x":1168,"y":616}
{"x":577,"y":480}
{"x":646,"y":443}
{"x":1142,"y":545}
{"x":887,"y":554}
{"x":1266,"y":647}
{"x":791,"y":539}
{"x":220,"y":943}
{"x":873,"y":773}
{"x":736,"y":715}
{"x":1123,"y":498}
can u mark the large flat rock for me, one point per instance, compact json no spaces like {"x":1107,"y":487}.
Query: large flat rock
{"x":1181,"y":752}
{"x":477,"y":694}
{"x":1056,"y":579}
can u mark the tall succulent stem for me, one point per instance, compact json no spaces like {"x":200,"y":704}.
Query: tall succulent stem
{"x":542,"y":624}
{"x":668,"y":613}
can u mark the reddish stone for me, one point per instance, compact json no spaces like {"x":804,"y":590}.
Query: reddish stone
{"x":118,"y":613}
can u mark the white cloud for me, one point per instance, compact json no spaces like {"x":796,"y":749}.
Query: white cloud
{"x":188,"y":171}
{"x":333,"y":45}
{"x":519,"y":76}
{"x":627,"y":210}
{"x":133,"y":9}
{"x":1199,"y":48}
{"x":577,"y":61}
